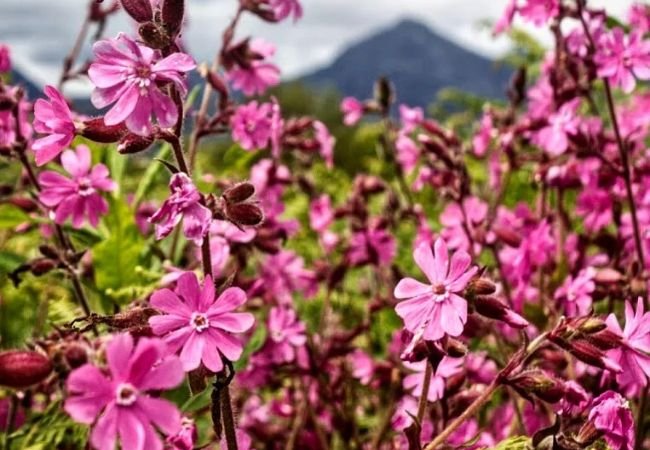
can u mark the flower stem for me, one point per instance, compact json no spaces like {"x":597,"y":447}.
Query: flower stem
{"x":422,"y":406}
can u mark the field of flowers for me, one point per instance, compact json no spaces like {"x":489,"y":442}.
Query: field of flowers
{"x":240,"y":265}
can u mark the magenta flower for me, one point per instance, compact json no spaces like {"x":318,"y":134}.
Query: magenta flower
{"x":505,"y":20}
{"x":595,"y":206}
{"x":410,"y":117}
{"x":286,"y":335}
{"x":55,"y":119}
{"x":251,"y":125}
{"x":611,"y":415}
{"x":259,"y":74}
{"x":283,"y":274}
{"x":321,"y":214}
{"x":363,"y":366}
{"x":459,"y":220}
{"x":622,"y":58}
{"x":117,"y":402}
{"x":5,"y":59}
{"x":127,"y":74}
{"x":575,"y":293}
{"x":447,"y":368}
{"x":634,"y":354}
{"x":554,"y":137}
{"x":184,"y":204}
{"x":639,"y":17}
{"x":373,"y":245}
{"x":198,"y":325}
{"x":186,"y":437}
{"x":8,"y":121}
{"x":407,"y":153}
{"x":77,"y":197}
{"x":325,"y":143}
{"x":286,"y":8}
{"x":539,"y":11}
{"x":482,"y":138}
{"x":352,"y":110}
{"x":435,"y":309}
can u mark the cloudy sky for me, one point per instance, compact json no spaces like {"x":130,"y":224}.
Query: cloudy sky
{"x":40,"y":32}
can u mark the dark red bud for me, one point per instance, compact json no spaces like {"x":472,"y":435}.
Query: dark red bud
{"x":507,"y":235}
{"x":49,"y":251}
{"x":132,"y":143}
{"x":590,"y":354}
{"x":482,"y":286}
{"x":539,"y":384}
{"x":493,"y":308}
{"x":605,"y":340}
{"x":21,"y":368}
{"x":26,"y":204}
{"x":42,"y":266}
{"x":96,"y":130}
{"x":239,"y":192}
{"x":172,"y":15}
{"x":139,"y":10}
{"x":455,"y":348}
{"x":154,"y":35}
{"x":384,"y":93}
{"x":215,"y":81}
{"x":245,"y":214}
{"x":75,"y":355}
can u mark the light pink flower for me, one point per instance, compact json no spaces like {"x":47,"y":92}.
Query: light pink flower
{"x":634,"y":354}
{"x":610,"y":414}
{"x":459,"y":220}
{"x":363,"y":366}
{"x":447,"y":368}
{"x":325,"y":142}
{"x":184,"y":203}
{"x":286,"y":8}
{"x":435,"y":309}
{"x":410,"y":117}
{"x":321,"y":214}
{"x":286,"y":334}
{"x":117,"y":402}
{"x":8,"y":121}
{"x":127,"y":74}
{"x":554,"y":137}
{"x":251,"y":125}
{"x":373,"y":245}
{"x":622,"y":58}
{"x":78,"y":197}
{"x":575,"y":293}
{"x":539,"y":11}
{"x":186,"y":437}
{"x":639,"y":17}
{"x":5,"y":59}
{"x":283,"y":274}
{"x":352,"y":110}
{"x":505,"y":20}
{"x":198,"y":325}
{"x":55,"y":119}
{"x":407,"y":153}
{"x":257,"y":76}
{"x":482,"y":138}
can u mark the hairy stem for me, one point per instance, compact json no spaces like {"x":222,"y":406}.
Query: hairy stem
{"x":422,"y":405}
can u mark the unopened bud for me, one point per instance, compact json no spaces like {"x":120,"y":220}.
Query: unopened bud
{"x":493,"y":308}
{"x":507,"y":235}
{"x":132,"y":143}
{"x":590,"y":354}
{"x":539,"y":384}
{"x":592,"y":325}
{"x":48,"y":251}
{"x":244,"y":214}
{"x":42,"y":266}
{"x":172,"y":15}
{"x":26,"y":204}
{"x":455,"y":348}
{"x":21,"y":368}
{"x":239,"y":192}
{"x":75,"y":355}
{"x":96,"y":130}
{"x":482,"y":286}
{"x":139,"y":10}
{"x":606,"y":340}
{"x":154,"y":35}
{"x":608,"y":276}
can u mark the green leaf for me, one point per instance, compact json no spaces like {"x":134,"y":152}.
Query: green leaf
{"x":11,"y":216}
{"x":514,"y":443}
{"x":198,"y":401}
{"x":9,"y":261}
{"x":150,"y":174}
{"x":116,"y":164}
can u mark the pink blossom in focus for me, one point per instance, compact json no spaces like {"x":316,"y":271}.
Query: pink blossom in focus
{"x":622,"y":58}
{"x":53,"y":118}
{"x":127,"y":74}
{"x":634,"y":354}
{"x":447,"y":368}
{"x":554,"y":138}
{"x":79,"y":196}
{"x":325,"y":142}
{"x":117,"y":402}
{"x":251,"y":125}
{"x":259,"y":74}
{"x":198,"y":325}
{"x":539,"y":11}
{"x":575,"y":294}
{"x":352,"y":110}
{"x":610,"y":413}
{"x":433,"y":310}
{"x":286,"y":8}
{"x":5,"y":59}
{"x":184,"y":203}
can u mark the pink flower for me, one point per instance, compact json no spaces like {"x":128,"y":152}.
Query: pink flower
{"x":482,"y":139}
{"x":575,"y":293}
{"x":372,"y":246}
{"x":352,"y":110}
{"x":435,"y":309}
{"x":554,"y":137}
{"x":575,"y":399}
{"x":505,"y":21}
{"x":325,"y":143}
{"x":321,"y":214}
{"x":128,"y":74}
{"x":595,"y":206}
{"x":184,"y":204}
{"x":540,"y":11}
{"x":55,"y":119}
{"x":634,"y":354}
{"x":283,"y":274}
{"x":363,"y":366}
{"x":622,"y":58}
{"x":198,"y":325}
{"x":407,"y":153}
{"x":5,"y":59}
{"x":117,"y":402}
{"x":286,"y":8}
{"x":259,"y":74}
{"x":459,"y":220}
{"x":286,"y":334}
{"x":251,"y":125}
{"x":639,"y":17}
{"x":186,"y":438}
{"x":611,"y":415}
{"x":447,"y":368}
{"x":410,"y":117}
{"x":222,"y":234}
{"x":77,"y":197}
{"x":8,"y":121}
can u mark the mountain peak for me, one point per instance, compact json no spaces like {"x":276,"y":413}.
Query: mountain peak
{"x":418,"y":61}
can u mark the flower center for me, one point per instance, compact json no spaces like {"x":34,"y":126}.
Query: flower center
{"x":439,"y":289}
{"x":199,"y":321}
{"x":277,"y":335}
{"x":85,"y":187}
{"x":125,"y":394}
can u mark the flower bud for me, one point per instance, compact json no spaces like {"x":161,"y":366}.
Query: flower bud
{"x":42,"y":266}
{"x":384,"y":93}
{"x":75,"y":355}
{"x":494,"y":309}
{"x":507,"y":235}
{"x":455,"y":348}
{"x":132,"y":143}
{"x":590,"y":354}
{"x":592,"y":325}
{"x":22,"y":368}
{"x":154,"y":35}
{"x":139,"y":10}
{"x":96,"y":130}
{"x":608,"y":276}
{"x":539,"y":384}
{"x":482,"y":286}
{"x":244,"y":214}
{"x":239,"y":192}
{"x":172,"y":15}
{"x":605,"y":340}
{"x":26,"y":204}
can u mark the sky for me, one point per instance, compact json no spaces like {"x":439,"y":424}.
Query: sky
{"x":40,"y":32}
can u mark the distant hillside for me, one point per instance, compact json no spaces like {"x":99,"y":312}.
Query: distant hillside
{"x":417,"y":60}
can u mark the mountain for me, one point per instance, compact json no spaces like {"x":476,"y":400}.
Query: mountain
{"x":418,"y":61}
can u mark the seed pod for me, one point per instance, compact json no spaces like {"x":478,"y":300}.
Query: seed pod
{"x":139,"y":10}
{"x":22,"y":368}
{"x":590,"y":354}
{"x":96,"y":130}
{"x":239,"y":192}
